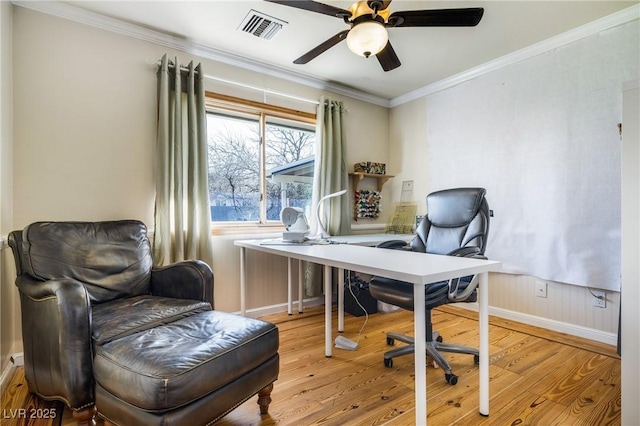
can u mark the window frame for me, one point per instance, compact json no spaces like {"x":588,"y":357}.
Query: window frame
{"x":226,"y":104}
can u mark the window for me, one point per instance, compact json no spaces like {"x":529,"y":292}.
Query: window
{"x":250,"y":181}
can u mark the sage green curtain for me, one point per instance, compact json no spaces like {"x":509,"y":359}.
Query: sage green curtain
{"x":182,"y":213}
{"x":330,"y":175}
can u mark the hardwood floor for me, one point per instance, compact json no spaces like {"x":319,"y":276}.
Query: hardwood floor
{"x":537,"y":377}
{"x":21,"y":408}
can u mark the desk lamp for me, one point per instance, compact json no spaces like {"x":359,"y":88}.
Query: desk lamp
{"x":322,"y":231}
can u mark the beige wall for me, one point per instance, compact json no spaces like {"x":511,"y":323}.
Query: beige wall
{"x":83,"y":122}
{"x":9,"y":327}
{"x":84,"y":132}
{"x":408,"y":149}
{"x":85,"y":105}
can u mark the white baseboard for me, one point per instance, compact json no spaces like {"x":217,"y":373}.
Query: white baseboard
{"x":550,"y":324}
{"x":282,"y":307}
{"x":562,"y":327}
{"x":7,"y":375}
{"x":368,"y":227}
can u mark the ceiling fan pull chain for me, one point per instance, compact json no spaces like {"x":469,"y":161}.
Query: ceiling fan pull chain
{"x":374,"y":5}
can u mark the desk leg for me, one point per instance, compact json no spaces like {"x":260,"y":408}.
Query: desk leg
{"x":483,"y":327}
{"x":327,"y":311}
{"x":243,"y":269}
{"x":289,"y":286}
{"x":300,"y":283}
{"x":340,"y":300}
{"x":420,"y":338}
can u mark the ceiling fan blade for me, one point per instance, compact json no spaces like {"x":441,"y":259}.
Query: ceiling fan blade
{"x":388,"y":58}
{"x":313,"y":6}
{"x":322,"y":47}
{"x":469,"y":17}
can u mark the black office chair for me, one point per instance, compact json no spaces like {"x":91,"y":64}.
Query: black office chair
{"x":456,"y":224}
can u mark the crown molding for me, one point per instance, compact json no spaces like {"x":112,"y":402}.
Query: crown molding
{"x":76,"y":14}
{"x":616,"y":19}
{"x":73,"y":13}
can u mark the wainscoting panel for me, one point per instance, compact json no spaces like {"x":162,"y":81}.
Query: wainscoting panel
{"x":567,"y":308}
{"x":564,"y":302}
{"x":266,"y":277}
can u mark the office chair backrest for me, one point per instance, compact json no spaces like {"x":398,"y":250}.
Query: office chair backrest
{"x":455,"y":218}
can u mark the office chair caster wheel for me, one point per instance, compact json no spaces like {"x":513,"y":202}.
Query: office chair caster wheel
{"x":476,"y":359}
{"x":390,"y":341}
{"x":388,"y":362}
{"x":452,"y":379}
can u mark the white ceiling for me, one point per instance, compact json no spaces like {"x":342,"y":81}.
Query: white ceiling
{"x":428,"y":55}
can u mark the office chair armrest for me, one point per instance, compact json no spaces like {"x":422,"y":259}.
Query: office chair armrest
{"x":460,"y":295}
{"x":455,"y":293}
{"x":394,"y":244}
{"x":465,"y":252}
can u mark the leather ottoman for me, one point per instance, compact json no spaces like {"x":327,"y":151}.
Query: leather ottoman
{"x":189,"y":371}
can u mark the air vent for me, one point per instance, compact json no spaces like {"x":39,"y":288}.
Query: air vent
{"x":261,"y":25}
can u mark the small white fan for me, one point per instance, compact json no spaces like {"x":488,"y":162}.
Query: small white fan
{"x":295,"y":223}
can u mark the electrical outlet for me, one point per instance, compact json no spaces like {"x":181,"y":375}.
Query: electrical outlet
{"x":599,"y":299}
{"x":541,"y":289}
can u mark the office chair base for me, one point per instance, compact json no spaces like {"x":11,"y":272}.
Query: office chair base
{"x":433,"y":348}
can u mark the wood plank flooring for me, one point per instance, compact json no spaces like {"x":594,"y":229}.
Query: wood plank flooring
{"x":21,"y":408}
{"x":537,"y":377}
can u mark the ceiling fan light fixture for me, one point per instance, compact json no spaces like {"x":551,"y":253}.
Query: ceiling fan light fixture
{"x":367,"y":38}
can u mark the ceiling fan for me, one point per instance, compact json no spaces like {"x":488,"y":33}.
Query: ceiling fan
{"x":369,"y":20}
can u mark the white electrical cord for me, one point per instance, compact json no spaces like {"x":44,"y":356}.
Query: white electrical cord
{"x":366,"y":318}
{"x":600,"y":297}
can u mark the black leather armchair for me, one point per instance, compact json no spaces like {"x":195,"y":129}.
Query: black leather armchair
{"x":456,"y":224}
{"x":102,"y":327}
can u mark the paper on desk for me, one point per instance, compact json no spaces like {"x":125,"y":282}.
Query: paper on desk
{"x":281,"y":242}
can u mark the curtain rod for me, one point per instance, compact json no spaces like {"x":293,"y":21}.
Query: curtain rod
{"x":269,"y":91}
{"x":248,"y":86}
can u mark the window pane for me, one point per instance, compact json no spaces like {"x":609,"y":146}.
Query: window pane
{"x":234,"y":167}
{"x":289,"y":157}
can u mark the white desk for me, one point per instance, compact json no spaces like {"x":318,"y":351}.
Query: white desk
{"x":418,"y":268}
{"x":369,"y":240}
